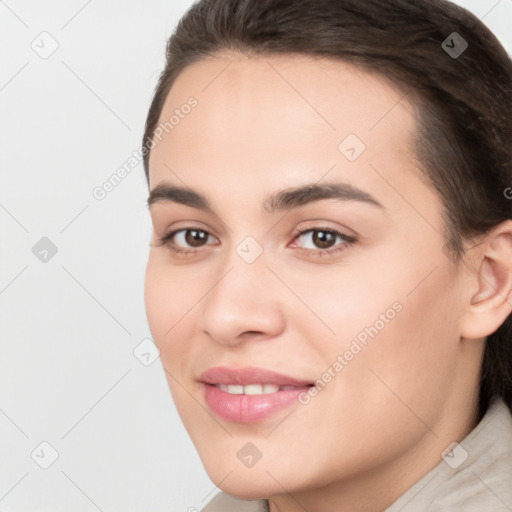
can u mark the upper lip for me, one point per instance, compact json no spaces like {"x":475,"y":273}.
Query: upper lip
{"x":248,"y":375}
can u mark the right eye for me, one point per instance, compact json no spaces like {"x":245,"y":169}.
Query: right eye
{"x":192,"y":236}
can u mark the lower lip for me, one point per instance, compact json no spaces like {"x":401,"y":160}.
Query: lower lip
{"x":248,"y":408}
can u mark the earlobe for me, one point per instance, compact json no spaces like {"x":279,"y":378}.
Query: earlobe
{"x":491,"y":304}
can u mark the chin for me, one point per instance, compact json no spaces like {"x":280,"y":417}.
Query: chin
{"x":250,"y":490}
{"x":246,"y":483}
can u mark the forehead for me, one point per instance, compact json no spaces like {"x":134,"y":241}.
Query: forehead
{"x":280,"y":118}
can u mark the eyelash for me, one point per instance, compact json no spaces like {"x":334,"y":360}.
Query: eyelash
{"x":348,"y":241}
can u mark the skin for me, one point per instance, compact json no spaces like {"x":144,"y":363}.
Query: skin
{"x":263,"y":124}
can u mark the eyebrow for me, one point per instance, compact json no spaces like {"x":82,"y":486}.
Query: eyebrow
{"x":286,"y":199}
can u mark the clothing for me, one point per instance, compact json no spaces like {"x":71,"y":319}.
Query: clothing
{"x":474,"y":476}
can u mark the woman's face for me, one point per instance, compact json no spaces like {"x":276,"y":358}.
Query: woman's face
{"x":365,"y":302}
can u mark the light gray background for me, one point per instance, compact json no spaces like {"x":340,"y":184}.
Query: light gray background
{"x":68,"y":373}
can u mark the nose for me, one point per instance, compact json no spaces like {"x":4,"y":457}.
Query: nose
{"x":243,"y":303}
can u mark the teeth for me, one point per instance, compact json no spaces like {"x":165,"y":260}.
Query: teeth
{"x":233,"y":390}
{"x":252,"y":389}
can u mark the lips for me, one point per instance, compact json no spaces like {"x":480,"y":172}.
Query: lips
{"x":236,"y":394}
{"x":249,"y":375}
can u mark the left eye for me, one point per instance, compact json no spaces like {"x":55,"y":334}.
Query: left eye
{"x":322,"y":238}
{"x":195,"y":238}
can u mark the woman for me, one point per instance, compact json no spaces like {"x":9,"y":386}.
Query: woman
{"x":330,"y":274}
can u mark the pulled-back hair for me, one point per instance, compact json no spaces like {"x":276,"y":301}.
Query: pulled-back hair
{"x":463,"y":102}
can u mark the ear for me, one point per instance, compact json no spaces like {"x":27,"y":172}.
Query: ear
{"x":491,"y":273}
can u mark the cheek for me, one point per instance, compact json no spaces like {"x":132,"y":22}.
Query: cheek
{"x":395,"y":320}
{"x":399,"y":374}
{"x":156,"y":298}
{"x":168,"y":304}
{"x":169,"y":315}
{"x":412,"y":358}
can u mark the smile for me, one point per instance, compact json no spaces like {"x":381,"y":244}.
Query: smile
{"x":253,"y":389}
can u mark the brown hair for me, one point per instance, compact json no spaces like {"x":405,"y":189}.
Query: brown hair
{"x":464,"y":141}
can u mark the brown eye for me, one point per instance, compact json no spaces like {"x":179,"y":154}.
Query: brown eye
{"x":185,"y":240}
{"x":195,"y":237}
{"x":320,"y":238}
{"x":323,"y":239}
{"x":190,"y":240}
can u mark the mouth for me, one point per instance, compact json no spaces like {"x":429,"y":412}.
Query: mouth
{"x":248,"y":377}
{"x":255,"y":389}
{"x":248,"y":395}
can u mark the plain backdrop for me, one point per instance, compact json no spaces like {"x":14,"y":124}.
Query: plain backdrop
{"x":86,"y":423}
